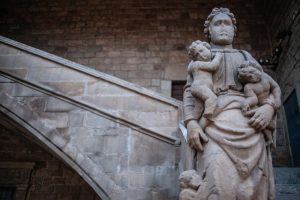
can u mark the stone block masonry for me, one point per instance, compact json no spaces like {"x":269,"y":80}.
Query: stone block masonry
{"x":143,"y":42}
{"x":285,"y":16}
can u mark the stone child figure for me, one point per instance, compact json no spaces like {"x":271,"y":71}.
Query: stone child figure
{"x":201,"y":73}
{"x":257,"y":88}
{"x":189,"y":183}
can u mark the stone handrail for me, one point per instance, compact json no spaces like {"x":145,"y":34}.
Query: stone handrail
{"x":90,"y":108}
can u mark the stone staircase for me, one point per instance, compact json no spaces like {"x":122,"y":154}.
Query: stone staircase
{"x":121,"y":138}
{"x":287,"y":182}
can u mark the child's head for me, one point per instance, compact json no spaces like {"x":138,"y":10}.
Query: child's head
{"x":199,"y":50}
{"x":189,"y":179}
{"x":249,"y":72}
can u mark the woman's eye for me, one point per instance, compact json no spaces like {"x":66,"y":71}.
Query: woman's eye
{"x":217,"y":23}
{"x":228,"y":23}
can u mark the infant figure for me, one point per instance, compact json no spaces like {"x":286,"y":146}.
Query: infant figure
{"x":201,"y":69}
{"x":189,"y":182}
{"x":258,"y":86}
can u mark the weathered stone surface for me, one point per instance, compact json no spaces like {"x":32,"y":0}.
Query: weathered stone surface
{"x":153,"y":152}
{"x":94,"y":121}
{"x":4,"y":50}
{"x":24,"y":60}
{"x":167,"y":119}
{"x":18,"y":72}
{"x":129,"y":101}
{"x":21,"y":91}
{"x":103,"y":88}
{"x":7,"y":87}
{"x":37,"y":103}
{"x":54,"y":105}
{"x":58,"y":120}
{"x":76,"y":119}
{"x":67,"y":88}
{"x":56,"y":74}
{"x":5,"y":80}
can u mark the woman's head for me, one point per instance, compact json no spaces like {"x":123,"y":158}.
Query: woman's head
{"x":220,"y":26}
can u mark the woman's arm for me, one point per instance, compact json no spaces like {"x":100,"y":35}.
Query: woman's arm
{"x":196,"y":136}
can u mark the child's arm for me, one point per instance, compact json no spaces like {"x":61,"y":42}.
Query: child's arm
{"x":215,"y":63}
{"x":208,"y":66}
{"x":251,"y":98}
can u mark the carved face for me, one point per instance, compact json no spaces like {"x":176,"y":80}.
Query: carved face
{"x":221,"y":30}
{"x":249,"y":74}
{"x":200,"y":51}
{"x":189,"y":179}
{"x":203,"y":53}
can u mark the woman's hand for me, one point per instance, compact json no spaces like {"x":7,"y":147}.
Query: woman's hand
{"x":196,"y":136}
{"x":261,"y":116}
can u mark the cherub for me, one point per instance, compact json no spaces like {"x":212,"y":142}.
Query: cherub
{"x":189,"y":182}
{"x":201,"y":68}
{"x":258,"y":86}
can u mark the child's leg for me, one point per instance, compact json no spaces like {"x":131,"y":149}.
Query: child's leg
{"x":268,"y":133}
{"x":207,"y":96}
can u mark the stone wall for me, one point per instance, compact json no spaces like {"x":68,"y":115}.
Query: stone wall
{"x":287,"y":18}
{"x":51,"y":179}
{"x":282,"y":16}
{"x":143,"y":42}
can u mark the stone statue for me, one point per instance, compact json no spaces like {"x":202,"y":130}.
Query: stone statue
{"x":232,"y":138}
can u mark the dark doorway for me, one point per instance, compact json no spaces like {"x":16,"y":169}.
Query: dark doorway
{"x":292,"y":114}
{"x":177,"y":89}
{"x":7,"y":193}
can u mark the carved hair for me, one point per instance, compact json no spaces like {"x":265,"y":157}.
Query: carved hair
{"x":252,"y":64}
{"x":215,"y":12}
{"x":193,"y":51}
{"x":249,"y":72}
{"x":189,"y":179}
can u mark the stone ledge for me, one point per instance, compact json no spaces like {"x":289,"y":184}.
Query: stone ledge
{"x":91,"y":72}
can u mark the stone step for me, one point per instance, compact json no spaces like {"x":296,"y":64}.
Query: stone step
{"x":286,"y":175}
{"x":287,"y":182}
{"x":288,"y":197}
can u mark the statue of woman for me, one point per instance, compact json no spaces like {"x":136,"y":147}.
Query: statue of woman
{"x":234,"y":159}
